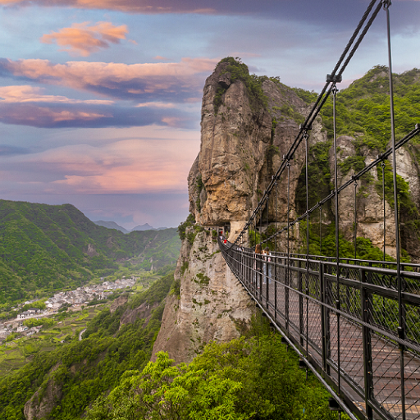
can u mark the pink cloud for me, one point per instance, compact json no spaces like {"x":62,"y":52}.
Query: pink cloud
{"x":147,"y":81}
{"x":26,"y":93}
{"x":81,"y":39}
{"x":126,"y":166}
{"x":137,"y":6}
{"x":47,"y":116}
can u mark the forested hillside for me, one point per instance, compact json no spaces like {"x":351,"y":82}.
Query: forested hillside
{"x":363,"y":112}
{"x":67,"y":380}
{"x":47,"y":248}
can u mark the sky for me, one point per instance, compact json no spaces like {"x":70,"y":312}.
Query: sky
{"x":100,"y":99}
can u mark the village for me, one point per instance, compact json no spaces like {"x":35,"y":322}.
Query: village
{"x":72,"y":300}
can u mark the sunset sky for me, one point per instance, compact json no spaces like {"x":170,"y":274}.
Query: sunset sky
{"x":100,"y":99}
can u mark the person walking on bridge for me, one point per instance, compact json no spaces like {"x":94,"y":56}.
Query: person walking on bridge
{"x":257,"y":265}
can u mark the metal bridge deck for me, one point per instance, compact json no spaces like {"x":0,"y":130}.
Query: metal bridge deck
{"x":357,"y":349}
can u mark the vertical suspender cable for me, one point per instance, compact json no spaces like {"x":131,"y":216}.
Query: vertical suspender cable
{"x":320,"y":230}
{"x":401,"y":314}
{"x":337,"y":238}
{"x":307,"y":243}
{"x":355,"y":219}
{"x":307,"y":194}
{"x":288,"y":246}
{"x":277,"y":204}
{"x":383,"y":194}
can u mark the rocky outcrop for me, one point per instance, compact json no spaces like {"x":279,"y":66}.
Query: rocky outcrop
{"x":44,"y":400}
{"x":144,"y":311}
{"x":242,"y":144}
{"x":369,"y":204}
{"x":212,"y":304}
{"x":120,"y":301}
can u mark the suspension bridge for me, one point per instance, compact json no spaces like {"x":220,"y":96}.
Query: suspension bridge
{"x":355,"y":323}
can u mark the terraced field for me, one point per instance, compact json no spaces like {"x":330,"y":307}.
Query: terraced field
{"x":14,"y":355}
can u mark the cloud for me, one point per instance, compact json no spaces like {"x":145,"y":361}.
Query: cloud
{"x":128,"y":166}
{"x":175,"y":82}
{"x":8,"y":150}
{"x":81,"y":39}
{"x":342,"y":15}
{"x":92,"y":116}
{"x":26,"y":93}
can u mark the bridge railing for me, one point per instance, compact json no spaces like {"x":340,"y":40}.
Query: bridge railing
{"x":356,"y":346}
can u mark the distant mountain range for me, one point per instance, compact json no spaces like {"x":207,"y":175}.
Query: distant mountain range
{"x":139,"y":228}
{"x":47,"y":248}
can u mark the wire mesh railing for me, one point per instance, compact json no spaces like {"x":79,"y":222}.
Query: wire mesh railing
{"x":364,"y":356}
{"x":355,"y":322}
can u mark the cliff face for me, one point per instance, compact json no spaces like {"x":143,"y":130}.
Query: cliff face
{"x":243,"y":140}
{"x":212,"y":304}
{"x":242,"y":144}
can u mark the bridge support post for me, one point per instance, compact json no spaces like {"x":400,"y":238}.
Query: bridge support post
{"x":367,"y":345}
{"x":325,"y":324}
{"x":276,"y":261}
{"x":301,"y":322}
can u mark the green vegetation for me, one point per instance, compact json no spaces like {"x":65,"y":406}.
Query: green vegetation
{"x":290,"y":112}
{"x":363,"y":108}
{"x":253,"y":84}
{"x":305,"y":95}
{"x":34,"y":322}
{"x":83,"y":370}
{"x":45,"y":248}
{"x":189,"y":230}
{"x":248,"y":378}
{"x":199,"y":187}
{"x":183,"y":226}
{"x":55,"y":329}
{"x":319,"y":177}
{"x":363,"y":112}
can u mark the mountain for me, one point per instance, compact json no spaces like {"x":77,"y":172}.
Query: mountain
{"x":142,"y":228}
{"x":46,"y":248}
{"x":248,"y":124}
{"x":62,"y":383}
{"x":111,"y":225}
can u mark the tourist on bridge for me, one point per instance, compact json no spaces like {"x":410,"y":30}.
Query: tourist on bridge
{"x":257,"y":265}
{"x":267,"y":266}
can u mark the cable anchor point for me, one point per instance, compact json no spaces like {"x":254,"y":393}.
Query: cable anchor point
{"x":386,"y":4}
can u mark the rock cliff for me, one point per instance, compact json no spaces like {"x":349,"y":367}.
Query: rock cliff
{"x":243,"y":139}
{"x":247,"y":124}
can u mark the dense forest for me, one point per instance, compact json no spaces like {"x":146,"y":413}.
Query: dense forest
{"x":46,"y":248}
{"x":253,"y":377}
{"x":363,"y":112}
{"x":80,"y":371}
{"x":108,"y":375}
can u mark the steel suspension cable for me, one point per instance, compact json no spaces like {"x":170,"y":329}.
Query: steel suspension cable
{"x":383,"y":199}
{"x":355,"y":219}
{"x":374,"y":163}
{"x":321,"y":100}
{"x":337,"y":238}
{"x":401,"y":309}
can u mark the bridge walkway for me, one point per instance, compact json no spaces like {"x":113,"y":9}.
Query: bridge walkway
{"x":356,"y":349}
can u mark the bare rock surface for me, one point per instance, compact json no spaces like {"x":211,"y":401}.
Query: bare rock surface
{"x":242,"y":144}
{"x":212,"y":305}
{"x":42,"y":402}
{"x":120,"y":301}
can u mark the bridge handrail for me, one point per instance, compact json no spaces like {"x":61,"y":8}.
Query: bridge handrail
{"x":368,"y":304}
